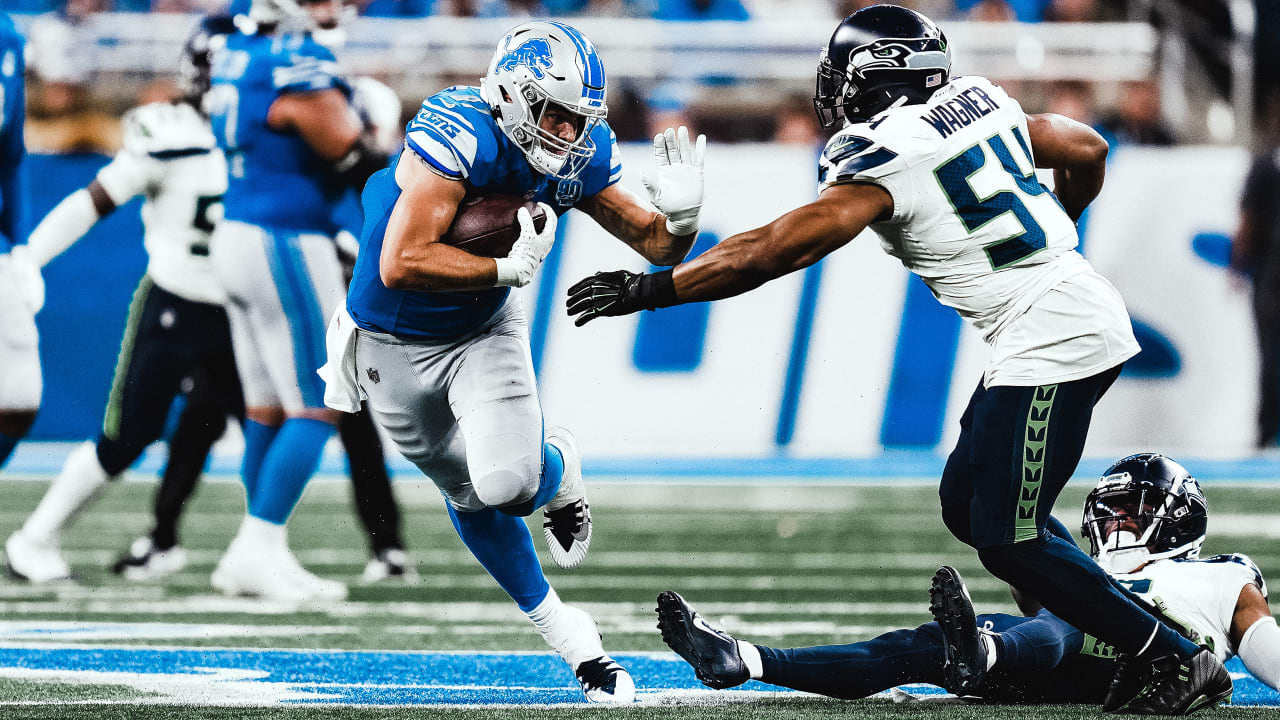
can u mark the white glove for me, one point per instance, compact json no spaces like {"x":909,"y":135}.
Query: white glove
{"x":675,"y":185}
{"x":27,"y":275}
{"x":379,"y":109}
{"x":518,"y":267}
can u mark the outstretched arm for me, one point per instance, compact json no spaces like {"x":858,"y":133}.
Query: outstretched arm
{"x":1256,"y":636}
{"x":743,"y":262}
{"x":620,"y":212}
{"x":1076,"y":153}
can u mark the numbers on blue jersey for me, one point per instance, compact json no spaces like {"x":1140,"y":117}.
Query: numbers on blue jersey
{"x":954,"y":176}
{"x":222,"y":102}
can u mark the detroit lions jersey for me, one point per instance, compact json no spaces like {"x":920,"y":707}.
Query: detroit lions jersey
{"x":171,"y":159}
{"x":12,"y":149}
{"x":1199,"y":595}
{"x":455,"y":134}
{"x":276,"y":179}
{"x":972,"y":220}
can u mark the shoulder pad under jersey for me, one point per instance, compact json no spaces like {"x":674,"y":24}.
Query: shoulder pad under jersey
{"x":167,"y":130}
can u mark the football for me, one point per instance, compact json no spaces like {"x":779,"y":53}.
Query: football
{"x":486,"y":224}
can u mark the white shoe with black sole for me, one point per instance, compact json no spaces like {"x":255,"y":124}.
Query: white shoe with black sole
{"x":567,"y":524}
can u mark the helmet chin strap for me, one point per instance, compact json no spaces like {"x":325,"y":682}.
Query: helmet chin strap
{"x":1122,"y":553}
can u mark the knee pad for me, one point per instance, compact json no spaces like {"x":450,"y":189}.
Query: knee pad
{"x":116,"y":455}
{"x":503,"y":486}
{"x":1003,"y":561}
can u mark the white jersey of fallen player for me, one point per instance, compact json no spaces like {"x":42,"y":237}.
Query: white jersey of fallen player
{"x":1199,"y":595}
{"x":973,"y":221}
{"x":171,"y":158}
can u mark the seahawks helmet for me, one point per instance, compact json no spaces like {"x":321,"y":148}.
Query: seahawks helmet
{"x":537,"y":65}
{"x":1146,"y":507}
{"x":196,"y":63}
{"x":879,"y":57}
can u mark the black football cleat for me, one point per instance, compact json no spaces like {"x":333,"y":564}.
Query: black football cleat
{"x":1131,"y":676}
{"x":965,"y":669}
{"x":712,"y":653}
{"x":1181,"y":687}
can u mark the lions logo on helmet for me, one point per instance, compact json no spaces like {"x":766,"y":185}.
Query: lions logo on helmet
{"x":538,"y":65}
{"x":1146,"y":507}
{"x":877,"y":58}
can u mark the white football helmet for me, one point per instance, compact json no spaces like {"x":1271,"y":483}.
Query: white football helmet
{"x":298,"y":16}
{"x":537,"y":64}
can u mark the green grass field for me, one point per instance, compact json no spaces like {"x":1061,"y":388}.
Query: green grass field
{"x":782,"y":565}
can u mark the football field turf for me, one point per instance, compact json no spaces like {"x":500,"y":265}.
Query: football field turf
{"x":780,"y":564}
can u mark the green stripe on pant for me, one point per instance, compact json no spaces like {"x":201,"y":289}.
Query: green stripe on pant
{"x":1033,"y":460}
{"x":111,"y":421}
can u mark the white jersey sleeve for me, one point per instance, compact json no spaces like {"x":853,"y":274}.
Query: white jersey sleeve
{"x":860,"y":154}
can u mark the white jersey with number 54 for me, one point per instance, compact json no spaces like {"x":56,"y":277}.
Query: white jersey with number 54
{"x":971,"y":219}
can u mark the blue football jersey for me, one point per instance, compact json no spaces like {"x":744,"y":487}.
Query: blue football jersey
{"x":12,"y":150}
{"x":456,"y":134}
{"x":275,"y":179}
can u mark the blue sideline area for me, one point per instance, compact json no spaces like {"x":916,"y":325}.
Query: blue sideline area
{"x":415,"y":678}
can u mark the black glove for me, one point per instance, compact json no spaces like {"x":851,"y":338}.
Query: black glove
{"x":619,"y":293}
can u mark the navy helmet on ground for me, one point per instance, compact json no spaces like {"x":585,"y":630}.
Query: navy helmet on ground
{"x":879,"y":57}
{"x":1146,"y":507}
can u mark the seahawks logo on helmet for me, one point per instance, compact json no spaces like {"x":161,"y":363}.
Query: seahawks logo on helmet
{"x":534,"y":54}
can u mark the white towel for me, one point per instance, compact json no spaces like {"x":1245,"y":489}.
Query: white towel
{"x":341,"y":387}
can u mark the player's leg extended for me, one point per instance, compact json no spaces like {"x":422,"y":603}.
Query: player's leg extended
{"x":374,"y":499}
{"x":408,"y":386}
{"x":152,"y":363}
{"x":1029,"y":442}
{"x":278,"y":285}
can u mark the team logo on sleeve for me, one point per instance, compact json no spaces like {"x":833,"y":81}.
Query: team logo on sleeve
{"x":534,"y":54}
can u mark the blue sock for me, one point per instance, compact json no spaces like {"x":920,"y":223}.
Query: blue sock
{"x":548,"y":484}
{"x":1073,"y":587}
{"x":859,"y":669}
{"x":257,"y":440}
{"x":504,"y":547}
{"x":290,"y":462}
{"x":7,"y":444}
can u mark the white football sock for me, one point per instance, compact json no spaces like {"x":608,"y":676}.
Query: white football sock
{"x":259,"y":534}
{"x":751,"y":658}
{"x":546,"y":613}
{"x":81,"y":477}
{"x":990,"y":644}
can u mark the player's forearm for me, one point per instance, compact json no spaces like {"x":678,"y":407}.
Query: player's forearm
{"x":1260,"y":651}
{"x":434,"y":267}
{"x":740,"y":264}
{"x":66,"y":223}
{"x":643,"y":230}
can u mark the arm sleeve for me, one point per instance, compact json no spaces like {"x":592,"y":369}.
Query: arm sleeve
{"x":66,"y":223}
{"x":127,"y":175}
{"x":852,"y":158}
{"x":1260,"y":651}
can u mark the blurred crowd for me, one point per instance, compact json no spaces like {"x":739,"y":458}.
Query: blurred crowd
{"x":68,"y":112}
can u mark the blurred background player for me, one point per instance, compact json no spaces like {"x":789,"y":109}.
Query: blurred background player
{"x":1145,"y":522}
{"x":944,"y":170}
{"x":21,"y":286}
{"x":177,"y":330}
{"x":442,"y":351}
{"x":293,"y":142}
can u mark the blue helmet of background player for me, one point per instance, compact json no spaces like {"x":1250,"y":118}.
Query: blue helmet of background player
{"x":538,"y":65}
{"x":1146,"y":507}
{"x":196,"y":64}
{"x":880,"y":57}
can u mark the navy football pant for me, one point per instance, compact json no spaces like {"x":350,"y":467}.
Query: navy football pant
{"x":1017,"y":449}
{"x":1040,"y":661}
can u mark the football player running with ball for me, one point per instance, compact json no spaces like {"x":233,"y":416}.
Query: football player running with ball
{"x":437,"y":343}
{"x":1145,"y":522}
{"x":943,"y":169}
